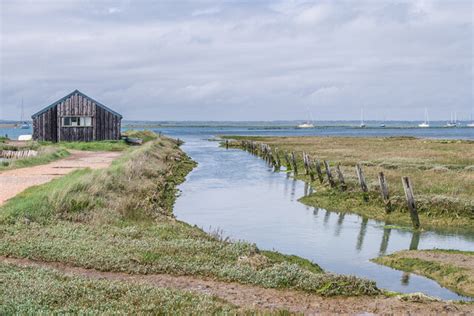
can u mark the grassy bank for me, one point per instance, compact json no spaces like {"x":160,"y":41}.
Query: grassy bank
{"x":120,"y":219}
{"x":453,"y":269}
{"x":442,"y":173}
{"x":48,"y":151}
{"x":43,"y":291}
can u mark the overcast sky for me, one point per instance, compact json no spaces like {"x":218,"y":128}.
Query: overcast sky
{"x":236,"y":60}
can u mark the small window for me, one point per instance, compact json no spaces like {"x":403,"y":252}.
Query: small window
{"x":74,"y":121}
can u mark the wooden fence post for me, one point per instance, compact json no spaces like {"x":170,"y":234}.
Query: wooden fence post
{"x":293,"y":160}
{"x":318,"y":171}
{"x":328,"y":173}
{"x":407,"y":186}
{"x":384,"y":191}
{"x":226,"y":144}
{"x":288,"y":161}
{"x":305,"y":163}
{"x":341,"y":177}
{"x":311,"y":170}
{"x":362,"y":183}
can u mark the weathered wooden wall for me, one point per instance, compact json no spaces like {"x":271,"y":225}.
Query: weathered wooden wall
{"x":48,"y":125}
{"x":45,"y":126}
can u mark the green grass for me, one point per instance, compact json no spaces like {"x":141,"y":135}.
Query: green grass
{"x":120,"y":219}
{"x":440,"y":171}
{"x":104,"y":145}
{"x":45,"y":155}
{"x":43,"y":291}
{"x":48,"y":151}
{"x":457,"y":278}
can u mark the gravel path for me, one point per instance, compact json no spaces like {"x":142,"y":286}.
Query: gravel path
{"x":15,"y":181}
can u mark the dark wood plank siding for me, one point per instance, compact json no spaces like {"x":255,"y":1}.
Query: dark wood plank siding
{"x":45,"y":126}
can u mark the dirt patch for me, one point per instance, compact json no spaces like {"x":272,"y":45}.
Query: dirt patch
{"x":15,"y":181}
{"x":455,"y":259}
{"x":246,"y":296}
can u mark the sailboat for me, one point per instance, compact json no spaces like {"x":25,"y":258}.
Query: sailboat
{"x":472,"y":122}
{"x":24,"y":124}
{"x":452,"y":123}
{"x":383,"y":123}
{"x":426,"y":123}
{"x":307,"y":124}
{"x":362,"y":124}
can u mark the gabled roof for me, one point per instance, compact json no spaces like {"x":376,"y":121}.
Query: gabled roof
{"x":68,"y":96}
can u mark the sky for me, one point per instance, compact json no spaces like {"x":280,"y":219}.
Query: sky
{"x":241,"y":60}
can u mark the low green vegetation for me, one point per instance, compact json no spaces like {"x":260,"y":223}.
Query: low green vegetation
{"x":453,"y":269}
{"x":441,"y":171}
{"x":45,"y":155}
{"x":48,"y":151}
{"x":120,"y":219}
{"x":43,"y":291}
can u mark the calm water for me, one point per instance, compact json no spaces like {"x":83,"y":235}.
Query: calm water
{"x":237,"y":192}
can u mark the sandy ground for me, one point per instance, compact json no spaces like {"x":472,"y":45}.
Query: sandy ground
{"x":15,"y":181}
{"x":247,"y":296}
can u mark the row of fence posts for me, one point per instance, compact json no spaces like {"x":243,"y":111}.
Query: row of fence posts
{"x":313,"y":169}
{"x":17,"y":154}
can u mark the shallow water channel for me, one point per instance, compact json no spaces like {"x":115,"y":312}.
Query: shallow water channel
{"x":238,"y":193}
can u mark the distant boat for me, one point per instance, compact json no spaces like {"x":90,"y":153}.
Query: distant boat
{"x":306,"y":125}
{"x":24,"y":124}
{"x":470,"y":124}
{"x":362,"y":124}
{"x":426,"y":123}
{"x":452,"y":122}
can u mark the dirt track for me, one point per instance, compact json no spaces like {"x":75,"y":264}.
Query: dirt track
{"x":15,"y":181}
{"x":247,"y":296}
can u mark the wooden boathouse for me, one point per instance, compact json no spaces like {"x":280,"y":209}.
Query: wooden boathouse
{"x":76,"y":117}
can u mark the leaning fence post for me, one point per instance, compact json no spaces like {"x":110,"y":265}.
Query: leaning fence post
{"x":363,"y":184}
{"x":293,"y":160}
{"x":411,"y":202}
{"x":318,"y":171}
{"x":384,"y":191}
{"x":341,"y":177}
{"x":328,"y":173}
{"x":226,"y":144}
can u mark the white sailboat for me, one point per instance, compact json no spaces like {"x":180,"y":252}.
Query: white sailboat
{"x":383,"y":123}
{"x":307,"y":124}
{"x":426,"y":123}
{"x":362,"y":124}
{"x":472,"y":122}
{"x":24,"y":124}
{"x":452,"y":122}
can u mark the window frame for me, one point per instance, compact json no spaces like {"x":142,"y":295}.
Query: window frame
{"x":78,"y":118}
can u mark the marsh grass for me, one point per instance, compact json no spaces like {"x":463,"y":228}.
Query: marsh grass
{"x":440,"y":171}
{"x":449,"y":274}
{"x":45,"y":155}
{"x":43,"y":291}
{"x":120,"y":219}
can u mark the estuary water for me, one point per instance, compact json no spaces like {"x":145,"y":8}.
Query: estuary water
{"x":238,"y":193}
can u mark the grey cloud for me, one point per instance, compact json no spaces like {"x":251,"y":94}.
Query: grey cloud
{"x":232,"y":60}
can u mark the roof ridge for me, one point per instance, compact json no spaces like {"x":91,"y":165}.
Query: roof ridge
{"x":69,"y":95}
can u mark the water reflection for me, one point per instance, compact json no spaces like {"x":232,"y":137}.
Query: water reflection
{"x":340,"y":220}
{"x":415,"y":240}
{"x":385,"y":239}
{"x":361,"y":235}
{"x":405,"y":280}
